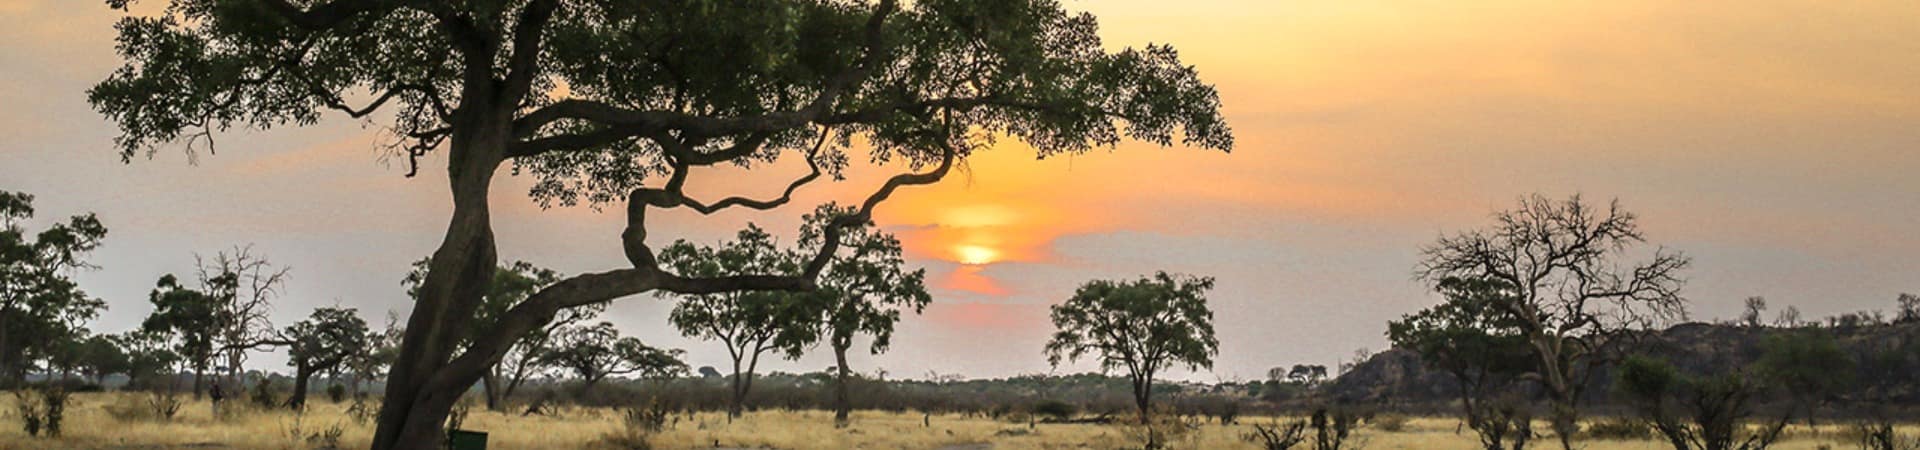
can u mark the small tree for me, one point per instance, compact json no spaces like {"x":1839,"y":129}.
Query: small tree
{"x":190,"y":320}
{"x":1809,"y":364}
{"x":320,"y":344}
{"x":1484,"y":350}
{"x":1144,"y":326}
{"x":1756,"y":308}
{"x":748,"y":323}
{"x":1696,"y":413}
{"x":1571,"y":296}
{"x":1909,"y":309}
{"x":596,"y":352}
{"x":863,"y":290}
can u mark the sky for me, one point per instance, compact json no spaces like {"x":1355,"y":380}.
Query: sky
{"x":1774,"y":141}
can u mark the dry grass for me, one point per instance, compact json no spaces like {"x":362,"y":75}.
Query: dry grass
{"x":91,"y":426}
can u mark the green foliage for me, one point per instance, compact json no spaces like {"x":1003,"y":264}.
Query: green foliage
{"x":865,"y":287}
{"x":1696,"y":412}
{"x":746,"y":321}
{"x":42,"y":410}
{"x":595,"y":352}
{"x":1808,"y":363}
{"x":1056,"y":410}
{"x":1142,"y":325}
{"x":189,"y":318}
{"x":325,"y":339}
{"x":41,"y":308}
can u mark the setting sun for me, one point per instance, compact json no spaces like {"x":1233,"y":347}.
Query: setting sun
{"x":976,"y":255}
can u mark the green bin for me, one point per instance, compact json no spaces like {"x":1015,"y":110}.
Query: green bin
{"x":466,"y":440}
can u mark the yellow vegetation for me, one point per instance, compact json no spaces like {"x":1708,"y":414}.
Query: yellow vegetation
{"x":90,"y":425}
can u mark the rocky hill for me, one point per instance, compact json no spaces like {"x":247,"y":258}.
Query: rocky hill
{"x":1886,"y":364}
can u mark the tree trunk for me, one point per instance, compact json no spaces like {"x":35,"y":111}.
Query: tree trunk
{"x":841,"y":406}
{"x":199,"y":383}
{"x":733,"y":401}
{"x":1142,"y":386}
{"x":490,"y":386}
{"x":419,"y":394}
{"x":299,"y":398}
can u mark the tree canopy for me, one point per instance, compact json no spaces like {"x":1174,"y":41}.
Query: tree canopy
{"x":605,"y":101}
{"x":596,"y":352}
{"x":327,"y":338}
{"x":1143,"y":326}
{"x":40,"y":306}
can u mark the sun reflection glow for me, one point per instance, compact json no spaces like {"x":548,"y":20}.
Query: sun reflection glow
{"x":975,"y":254}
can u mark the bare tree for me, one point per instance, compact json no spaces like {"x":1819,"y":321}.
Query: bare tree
{"x":244,"y":284}
{"x":1571,"y":294}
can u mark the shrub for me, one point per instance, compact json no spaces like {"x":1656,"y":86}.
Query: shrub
{"x":1389,"y":422}
{"x":264,"y":395}
{"x":1332,"y":426}
{"x":337,"y":393}
{"x":1056,"y":410}
{"x":41,"y":410}
{"x":1277,"y":436}
{"x":155,"y":407}
{"x":1880,"y":434}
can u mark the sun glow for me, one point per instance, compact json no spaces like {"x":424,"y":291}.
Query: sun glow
{"x":975,"y":254}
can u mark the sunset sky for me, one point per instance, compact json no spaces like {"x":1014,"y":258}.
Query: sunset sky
{"x":1777,"y":142}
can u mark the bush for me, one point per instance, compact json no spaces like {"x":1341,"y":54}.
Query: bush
{"x":1880,"y":434}
{"x":264,"y":395}
{"x":41,"y":410}
{"x":157,"y":406}
{"x":337,"y":393}
{"x":1055,"y":410}
{"x":1278,"y":436}
{"x":1389,"y":422}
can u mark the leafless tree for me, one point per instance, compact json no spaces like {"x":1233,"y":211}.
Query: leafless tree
{"x":1573,"y":295}
{"x":245,"y":284}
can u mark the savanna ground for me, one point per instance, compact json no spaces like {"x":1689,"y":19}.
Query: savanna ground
{"x":91,"y":423}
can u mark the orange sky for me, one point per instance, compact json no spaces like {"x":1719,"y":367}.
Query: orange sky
{"x":1774,"y":140}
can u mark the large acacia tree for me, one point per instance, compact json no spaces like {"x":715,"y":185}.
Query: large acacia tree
{"x":610,"y":101}
{"x":1144,"y":326}
{"x":1567,"y":289}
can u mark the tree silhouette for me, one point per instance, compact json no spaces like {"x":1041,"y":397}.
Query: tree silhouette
{"x":1571,"y":297}
{"x":747,"y":323}
{"x":190,"y":320}
{"x":39,"y":305}
{"x":1485,"y":351}
{"x":597,"y":98}
{"x":595,"y":352}
{"x":1143,"y":325}
{"x":863,"y":290}
{"x":320,"y":344}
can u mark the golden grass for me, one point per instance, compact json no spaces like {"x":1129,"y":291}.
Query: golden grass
{"x":90,"y":426}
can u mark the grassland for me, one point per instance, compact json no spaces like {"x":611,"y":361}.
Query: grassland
{"x":92,"y":424}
